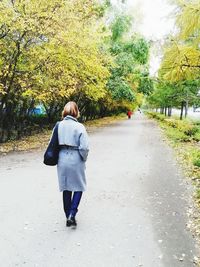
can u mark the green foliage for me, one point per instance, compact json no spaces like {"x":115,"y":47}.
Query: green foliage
{"x":157,"y":116}
{"x":176,"y":129}
{"x":196,"y":157}
{"x":138,"y":48}
{"x":101,"y":8}
{"x":177,"y":135}
{"x":146,"y":84}
{"x":171,"y":94}
{"x":120,"y":26}
{"x":196,"y":162}
{"x":186,"y":127}
{"x":163,"y":95}
{"x":116,"y":48}
{"x":197,"y":136}
{"x":131,"y":53}
{"x":121,"y":89}
{"x":125,"y":65}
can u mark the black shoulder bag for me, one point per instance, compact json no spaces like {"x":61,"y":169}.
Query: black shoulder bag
{"x":52,"y":152}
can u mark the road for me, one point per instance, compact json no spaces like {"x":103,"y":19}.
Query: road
{"x":134,"y":212}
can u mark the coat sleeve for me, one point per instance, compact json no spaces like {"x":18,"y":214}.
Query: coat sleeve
{"x":84,"y":145}
{"x":54,"y":134}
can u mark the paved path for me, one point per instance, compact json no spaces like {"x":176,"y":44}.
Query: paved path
{"x":133,"y":213}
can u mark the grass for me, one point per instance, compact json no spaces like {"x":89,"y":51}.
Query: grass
{"x":198,"y":195}
{"x":176,"y":135}
{"x":40,"y":140}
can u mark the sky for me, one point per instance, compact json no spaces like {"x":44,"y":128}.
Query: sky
{"x":153,"y":20}
{"x":157,"y":21}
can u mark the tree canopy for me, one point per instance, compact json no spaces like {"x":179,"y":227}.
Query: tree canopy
{"x":55,"y":51}
{"x":179,"y":73}
{"x":181,"y":59}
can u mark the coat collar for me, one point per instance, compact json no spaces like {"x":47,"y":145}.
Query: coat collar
{"x":68,"y":117}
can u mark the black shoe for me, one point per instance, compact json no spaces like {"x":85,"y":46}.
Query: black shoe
{"x":71,"y":221}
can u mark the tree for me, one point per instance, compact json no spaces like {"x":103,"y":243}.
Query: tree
{"x":130,"y":54}
{"x":180,"y":66}
{"x":181,"y":59}
{"x":168,"y":95}
{"x":56,"y":51}
{"x":146,"y":84}
{"x":46,"y":58}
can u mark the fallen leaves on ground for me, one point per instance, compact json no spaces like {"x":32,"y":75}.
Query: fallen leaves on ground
{"x":40,"y":140}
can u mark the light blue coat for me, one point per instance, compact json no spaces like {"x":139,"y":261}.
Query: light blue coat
{"x":71,"y":163}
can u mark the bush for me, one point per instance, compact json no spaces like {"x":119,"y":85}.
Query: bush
{"x":196,"y":157}
{"x":172,"y":123}
{"x":40,"y":119}
{"x":157,"y":116}
{"x":177,"y":135}
{"x":183,"y":130}
{"x":188,"y":128}
{"x":191,"y":130}
{"x":183,"y":126}
{"x":197,"y":136}
{"x":198,"y":194}
{"x":196,"y":162}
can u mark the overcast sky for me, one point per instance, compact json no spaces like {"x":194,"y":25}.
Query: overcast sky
{"x":157,"y":21}
{"x":154,"y":20}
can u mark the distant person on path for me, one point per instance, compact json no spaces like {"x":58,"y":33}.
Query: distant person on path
{"x":129,"y":113}
{"x":73,"y":144}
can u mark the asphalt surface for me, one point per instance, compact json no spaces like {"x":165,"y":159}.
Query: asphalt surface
{"x":134,"y":212}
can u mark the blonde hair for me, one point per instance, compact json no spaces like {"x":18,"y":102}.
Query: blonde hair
{"x":71,"y":109}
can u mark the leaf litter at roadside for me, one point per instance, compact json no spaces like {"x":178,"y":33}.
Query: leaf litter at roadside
{"x":40,"y":140}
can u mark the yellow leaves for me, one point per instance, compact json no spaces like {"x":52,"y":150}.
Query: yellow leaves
{"x":66,"y":93}
{"x":41,"y":139}
{"x":181,"y":59}
{"x":37,"y":140}
{"x":139,"y":99}
{"x":60,"y":49}
{"x":180,"y":62}
{"x":189,"y":19}
{"x":7,"y":13}
{"x":29,"y":93}
{"x":2,"y":90}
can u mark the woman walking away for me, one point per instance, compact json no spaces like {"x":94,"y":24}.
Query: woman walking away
{"x":73,"y":146}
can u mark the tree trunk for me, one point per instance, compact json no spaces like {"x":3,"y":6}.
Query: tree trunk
{"x":186,"y":109}
{"x":165,"y":111}
{"x":182,"y":107}
{"x":169,"y":111}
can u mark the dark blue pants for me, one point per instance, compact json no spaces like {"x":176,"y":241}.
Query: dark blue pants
{"x":70,"y":202}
